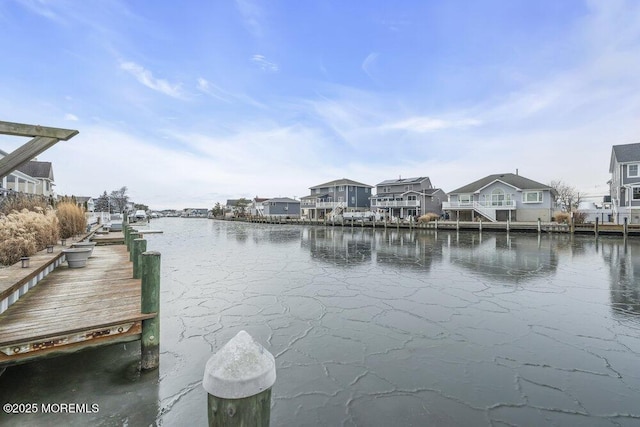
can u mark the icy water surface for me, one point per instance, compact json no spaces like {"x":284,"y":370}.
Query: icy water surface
{"x":374,"y":328}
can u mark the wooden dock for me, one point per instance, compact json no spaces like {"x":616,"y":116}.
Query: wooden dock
{"x":74,"y":308}
{"x":500,"y":226}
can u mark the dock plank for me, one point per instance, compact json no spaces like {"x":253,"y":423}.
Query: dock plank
{"x":73,"y":300}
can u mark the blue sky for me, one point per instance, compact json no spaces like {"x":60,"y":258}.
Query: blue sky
{"x":190,"y":103}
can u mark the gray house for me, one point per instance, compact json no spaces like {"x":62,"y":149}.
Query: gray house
{"x":405,"y":197}
{"x":624,"y":185}
{"x":350,"y":196}
{"x":282,"y":206}
{"x":502,"y":197}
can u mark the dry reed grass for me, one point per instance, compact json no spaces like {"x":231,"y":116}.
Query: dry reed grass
{"x":428,"y":217}
{"x":26,"y":232}
{"x":71,"y":219}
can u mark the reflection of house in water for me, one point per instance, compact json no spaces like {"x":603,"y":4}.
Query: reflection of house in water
{"x":277,"y":234}
{"x":338,"y":246}
{"x":242,"y":232}
{"x":407,"y":248}
{"x":395,"y":248}
{"x":505,"y":258}
{"x":625,"y":274}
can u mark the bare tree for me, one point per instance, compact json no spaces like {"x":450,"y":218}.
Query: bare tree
{"x":568,"y":197}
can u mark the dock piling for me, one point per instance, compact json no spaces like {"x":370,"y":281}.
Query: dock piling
{"x":238,"y":379}
{"x":150,"y":342}
{"x":139,"y":246}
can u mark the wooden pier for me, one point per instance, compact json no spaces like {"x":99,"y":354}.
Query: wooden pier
{"x":70,"y":309}
{"x":622,"y":230}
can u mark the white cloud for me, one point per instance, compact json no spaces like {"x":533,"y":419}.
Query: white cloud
{"x":210,"y":89}
{"x":145,"y":77}
{"x":71,"y":117}
{"x":369,"y":63}
{"x":264,"y":64}
{"x":40,"y":7}
{"x":430,"y":124}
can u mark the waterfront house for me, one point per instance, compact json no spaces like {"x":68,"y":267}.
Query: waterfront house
{"x":86,"y":202}
{"x":20,"y":181}
{"x":43,"y":173}
{"x":624,"y":186}
{"x":345,"y":194}
{"x":282,"y":207}
{"x":502,"y":197}
{"x":256,"y":208}
{"x":404,"y":197}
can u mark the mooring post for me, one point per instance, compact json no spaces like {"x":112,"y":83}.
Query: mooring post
{"x":572,"y":225}
{"x":150,"y":303}
{"x":508,"y":225}
{"x":238,"y":380}
{"x":132,"y":237}
{"x":125,"y":230}
{"x":480,"y":225}
{"x":139,"y":246}
{"x":595,"y":229}
{"x":539,"y":226}
{"x":458,"y":223}
{"x":625,"y":229}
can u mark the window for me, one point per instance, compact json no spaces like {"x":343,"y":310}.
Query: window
{"x":532,"y":197}
{"x":497,"y":197}
{"x":353,"y":200}
{"x":412,"y":197}
{"x":464,"y":199}
{"x":633,"y":171}
{"x":635,"y":193}
{"x":366,"y":190}
{"x":341,"y":188}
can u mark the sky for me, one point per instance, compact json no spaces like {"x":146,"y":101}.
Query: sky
{"x":192,"y":103}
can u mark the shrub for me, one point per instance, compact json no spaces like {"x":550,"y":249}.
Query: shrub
{"x":71,"y":219}
{"x":25,"y":233}
{"x":428,"y":217}
{"x":562,"y":217}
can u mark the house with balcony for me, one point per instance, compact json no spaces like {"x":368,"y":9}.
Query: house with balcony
{"x":407,"y":197}
{"x":43,"y":174}
{"x":502,"y":197}
{"x":624,"y":186}
{"x":20,"y":181}
{"x":282,"y":207}
{"x":343,"y":194}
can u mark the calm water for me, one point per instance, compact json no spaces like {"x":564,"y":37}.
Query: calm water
{"x":375,"y":328}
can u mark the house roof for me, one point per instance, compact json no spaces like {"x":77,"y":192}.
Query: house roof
{"x":343,"y":181}
{"x":37,"y":169}
{"x":282,"y":200}
{"x":416,"y":180}
{"x":517,"y":181}
{"x":82,"y":199}
{"x":624,"y":154}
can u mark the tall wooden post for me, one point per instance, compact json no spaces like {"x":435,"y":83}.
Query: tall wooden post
{"x":596,"y":227}
{"x":139,"y":246}
{"x":132,"y":237}
{"x":150,"y":345}
{"x":125,"y":233}
{"x":572,"y":225}
{"x":625,"y":229}
{"x":480,"y":225}
{"x":539,"y":226}
{"x":238,"y":380}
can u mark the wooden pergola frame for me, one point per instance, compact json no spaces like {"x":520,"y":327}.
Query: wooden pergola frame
{"x":43,"y":138}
